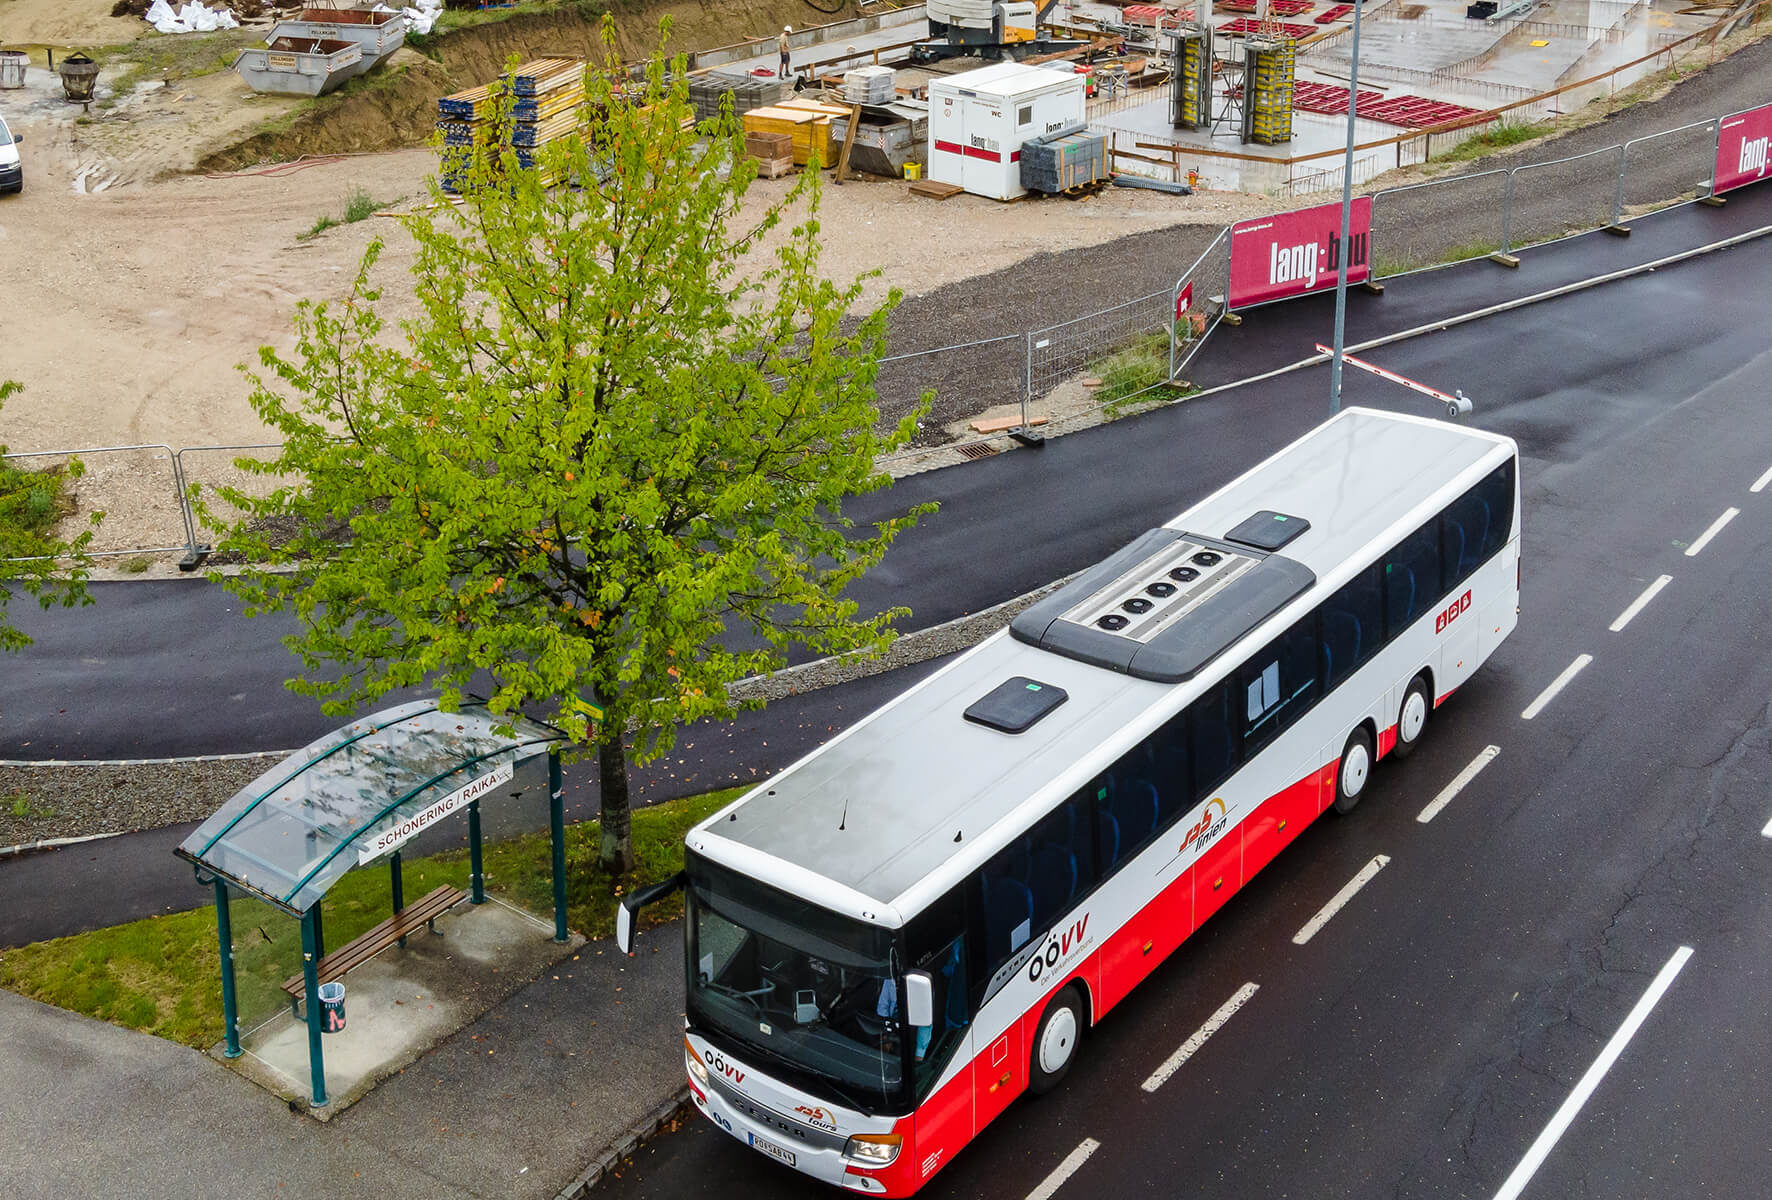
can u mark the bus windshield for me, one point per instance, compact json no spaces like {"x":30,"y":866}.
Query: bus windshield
{"x":810,"y":995}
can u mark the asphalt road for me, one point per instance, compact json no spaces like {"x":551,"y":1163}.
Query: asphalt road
{"x":159,"y":669}
{"x":1420,"y":1043}
{"x":166,"y":668}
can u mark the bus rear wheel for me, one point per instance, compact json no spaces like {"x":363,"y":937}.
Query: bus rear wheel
{"x":1412,"y":717}
{"x":1055,"y":1041}
{"x":1353,"y":771}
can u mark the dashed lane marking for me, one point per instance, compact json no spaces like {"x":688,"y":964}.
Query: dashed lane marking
{"x":1195,"y":1040}
{"x":1458,"y":784}
{"x":1640,"y":603}
{"x":1522,"y":1174}
{"x":1336,"y":902}
{"x":1557,"y":685}
{"x":1716,"y":527}
{"x":1073,"y":1161}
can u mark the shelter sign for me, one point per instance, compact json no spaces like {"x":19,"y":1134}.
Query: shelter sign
{"x":407,"y":828}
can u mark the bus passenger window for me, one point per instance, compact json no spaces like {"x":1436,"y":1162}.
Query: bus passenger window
{"x":1214,"y":724}
{"x":1412,"y":578}
{"x":1353,"y":626}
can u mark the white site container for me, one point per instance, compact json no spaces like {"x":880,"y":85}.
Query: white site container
{"x":979,"y":119}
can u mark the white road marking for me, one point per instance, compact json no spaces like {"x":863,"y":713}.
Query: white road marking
{"x":1767,"y":831}
{"x":1762,"y":481}
{"x":1640,"y":603}
{"x":1458,"y":783}
{"x":1076,"y":1158}
{"x":1312,"y":926}
{"x":1189,"y":1048}
{"x":1716,"y":527}
{"x":1557,"y":685}
{"x":1522,"y":1174}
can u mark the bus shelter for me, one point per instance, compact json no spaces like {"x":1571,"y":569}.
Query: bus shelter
{"x":353,"y":797}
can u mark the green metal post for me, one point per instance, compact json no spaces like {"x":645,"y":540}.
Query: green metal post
{"x":557,"y":832}
{"x":399,"y":885}
{"x":224,"y":937}
{"x":476,"y":876}
{"x":310,"y":970}
{"x":319,"y":931}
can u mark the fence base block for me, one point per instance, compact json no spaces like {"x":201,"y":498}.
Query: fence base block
{"x":1372,"y":289}
{"x":1712,"y":201}
{"x":1511,"y":261}
{"x":194,"y":558}
{"x":1027,"y":435}
{"x":1617,"y":230}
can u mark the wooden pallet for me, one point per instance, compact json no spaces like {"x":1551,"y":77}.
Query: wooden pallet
{"x":775,"y":168}
{"x":934,"y":190}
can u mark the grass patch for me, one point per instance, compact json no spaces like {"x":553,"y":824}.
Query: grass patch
{"x":1139,"y":370}
{"x":1502,"y":134}
{"x":162,"y":975}
{"x":22,"y":807}
{"x":173,"y":56}
{"x":453,"y":20}
{"x":136,"y":565}
{"x":1384,"y":267}
{"x":32,"y":502}
{"x":359,"y":205}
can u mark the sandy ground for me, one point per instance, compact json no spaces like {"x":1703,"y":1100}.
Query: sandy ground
{"x":82,"y":23}
{"x":133,"y":299}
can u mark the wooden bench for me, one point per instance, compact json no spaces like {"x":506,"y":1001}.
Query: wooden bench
{"x":366,"y":946}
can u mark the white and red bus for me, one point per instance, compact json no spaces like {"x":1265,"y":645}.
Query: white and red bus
{"x":901,"y":933}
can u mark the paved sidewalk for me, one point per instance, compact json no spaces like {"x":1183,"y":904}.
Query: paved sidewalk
{"x":513,"y":1105}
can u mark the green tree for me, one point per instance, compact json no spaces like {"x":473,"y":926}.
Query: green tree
{"x":32,"y":559}
{"x":607,"y":460}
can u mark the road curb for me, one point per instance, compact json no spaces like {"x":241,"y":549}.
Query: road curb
{"x":625,"y":1145}
{"x":45,"y":844}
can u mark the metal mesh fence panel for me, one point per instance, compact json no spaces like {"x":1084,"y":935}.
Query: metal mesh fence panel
{"x":209,"y":469}
{"x":1444,"y":221}
{"x":1060,"y":351}
{"x":1565,"y":196}
{"x":1209,"y":279}
{"x":134,"y":486}
{"x":966,"y":380}
{"x":1667,"y":167}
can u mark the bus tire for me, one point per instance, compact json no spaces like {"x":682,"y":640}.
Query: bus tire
{"x":1353,"y":770}
{"x":1412,"y":717}
{"x":1055,"y":1041}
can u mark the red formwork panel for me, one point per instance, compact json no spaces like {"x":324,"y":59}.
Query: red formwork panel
{"x":1278,"y":8}
{"x":1333,"y":13}
{"x":1244,"y":25}
{"x":1412,"y":112}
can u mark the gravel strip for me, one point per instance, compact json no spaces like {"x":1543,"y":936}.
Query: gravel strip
{"x":40,"y":802}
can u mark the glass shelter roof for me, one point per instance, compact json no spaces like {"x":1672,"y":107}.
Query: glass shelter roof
{"x":356,"y":794}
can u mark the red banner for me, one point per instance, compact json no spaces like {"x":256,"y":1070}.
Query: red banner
{"x":1289,"y":254}
{"x":1741,"y":147}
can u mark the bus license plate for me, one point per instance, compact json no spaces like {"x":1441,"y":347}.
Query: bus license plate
{"x":772,"y":1150}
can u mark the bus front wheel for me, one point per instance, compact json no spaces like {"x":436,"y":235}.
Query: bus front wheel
{"x":1055,"y":1042}
{"x":1412,"y":717}
{"x":1353,"y":771}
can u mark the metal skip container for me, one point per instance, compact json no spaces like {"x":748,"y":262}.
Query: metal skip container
{"x":379,"y":34}
{"x":891,"y":135}
{"x":299,"y":66}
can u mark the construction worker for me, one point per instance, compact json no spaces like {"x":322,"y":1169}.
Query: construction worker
{"x":781,"y":43}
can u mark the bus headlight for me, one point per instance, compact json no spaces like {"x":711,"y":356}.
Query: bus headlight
{"x":695,"y":1064}
{"x":873,"y":1149}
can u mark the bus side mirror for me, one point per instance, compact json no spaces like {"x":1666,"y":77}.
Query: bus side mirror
{"x":632,"y":904}
{"x":919,"y":999}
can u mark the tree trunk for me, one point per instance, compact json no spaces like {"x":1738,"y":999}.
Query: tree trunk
{"x":616,"y":851}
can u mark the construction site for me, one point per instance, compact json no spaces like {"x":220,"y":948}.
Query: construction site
{"x":200,"y":170}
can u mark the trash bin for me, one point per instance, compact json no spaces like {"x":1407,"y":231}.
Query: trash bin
{"x":332,"y":1007}
{"x":12,"y":68}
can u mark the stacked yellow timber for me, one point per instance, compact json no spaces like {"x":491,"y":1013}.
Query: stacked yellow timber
{"x":802,"y":129}
{"x":826,"y":114}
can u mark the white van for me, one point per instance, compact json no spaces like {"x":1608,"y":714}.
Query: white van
{"x":12,"y":171}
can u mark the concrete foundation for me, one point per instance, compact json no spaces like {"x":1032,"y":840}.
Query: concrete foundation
{"x":404,"y":1001}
